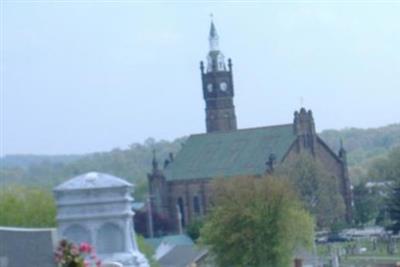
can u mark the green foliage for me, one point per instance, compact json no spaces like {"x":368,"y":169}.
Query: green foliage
{"x":132,"y":164}
{"x":394,"y":208}
{"x":386,"y":168}
{"x":26,"y":207}
{"x":368,"y":204}
{"x":147,"y":250}
{"x":364,"y":144}
{"x":25,"y":161}
{"x":193,"y":229}
{"x":363,"y":147}
{"x":255,"y":222}
{"x":318,"y":191}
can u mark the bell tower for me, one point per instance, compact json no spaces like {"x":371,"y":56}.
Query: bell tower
{"x":218,"y":92}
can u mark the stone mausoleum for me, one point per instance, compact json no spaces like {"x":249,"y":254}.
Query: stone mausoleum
{"x":97,"y":208}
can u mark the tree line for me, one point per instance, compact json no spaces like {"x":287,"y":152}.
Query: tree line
{"x":365,"y":147}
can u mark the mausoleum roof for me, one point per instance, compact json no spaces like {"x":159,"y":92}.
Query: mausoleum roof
{"x":92,"y":180}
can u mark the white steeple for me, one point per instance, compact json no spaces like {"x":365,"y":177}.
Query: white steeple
{"x":213,"y":38}
{"x":215,"y":59}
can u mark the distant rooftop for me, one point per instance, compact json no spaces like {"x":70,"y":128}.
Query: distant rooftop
{"x":92,"y":180}
{"x":174,"y":240}
{"x":182,"y":256}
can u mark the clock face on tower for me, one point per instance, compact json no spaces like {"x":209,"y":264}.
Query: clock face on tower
{"x":209,"y":87}
{"x":223,"y":86}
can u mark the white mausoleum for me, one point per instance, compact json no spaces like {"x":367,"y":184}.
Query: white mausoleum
{"x":96,"y":208}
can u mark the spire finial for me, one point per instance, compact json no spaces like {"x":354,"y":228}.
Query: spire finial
{"x":301,"y":101}
{"x":213,"y":38}
{"x":215,"y":58}
{"x":342,"y":151}
{"x":154,"y":162}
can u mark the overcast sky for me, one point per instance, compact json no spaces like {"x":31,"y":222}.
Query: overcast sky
{"x":84,"y":76}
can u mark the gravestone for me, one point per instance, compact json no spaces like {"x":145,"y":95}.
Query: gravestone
{"x":31,"y":247}
{"x":96,"y":208}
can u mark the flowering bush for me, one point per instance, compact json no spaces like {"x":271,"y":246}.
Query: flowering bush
{"x":68,"y":254}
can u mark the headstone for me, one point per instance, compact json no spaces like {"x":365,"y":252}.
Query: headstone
{"x":97,"y":208}
{"x":31,"y":247}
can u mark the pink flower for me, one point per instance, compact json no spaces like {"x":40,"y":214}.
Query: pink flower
{"x":68,"y":253}
{"x":85,"y":247}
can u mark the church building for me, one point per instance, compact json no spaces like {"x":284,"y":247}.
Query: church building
{"x":181,"y":189}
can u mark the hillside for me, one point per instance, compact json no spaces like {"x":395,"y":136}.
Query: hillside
{"x":132,"y":164}
{"x":363,"y":146}
{"x":24,"y":161}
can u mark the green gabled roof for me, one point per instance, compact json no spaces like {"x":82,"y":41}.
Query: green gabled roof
{"x":232,"y":153}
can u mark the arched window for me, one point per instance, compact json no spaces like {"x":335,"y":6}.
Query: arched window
{"x":77,"y":234}
{"x":196,"y":205}
{"x":110,"y":239}
{"x":181,"y":211}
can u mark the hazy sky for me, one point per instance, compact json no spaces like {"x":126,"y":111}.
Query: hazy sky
{"x":84,"y":76}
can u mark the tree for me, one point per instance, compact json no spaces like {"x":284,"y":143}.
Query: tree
{"x":255,"y":222}
{"x":193,"y":229}
{"x":317,"y":189}
{"x":367,"y":203}
{"x":394,"y":208}
{"x":26,"y":207}
{"x":388,"y":169}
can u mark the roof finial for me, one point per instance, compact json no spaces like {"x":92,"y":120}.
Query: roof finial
{"x":154,"y":162}
{"x":301,"y":102}
{"x":342,"y":151}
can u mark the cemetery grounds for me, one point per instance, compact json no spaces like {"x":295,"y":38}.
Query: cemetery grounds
{"x":362,"y":252}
